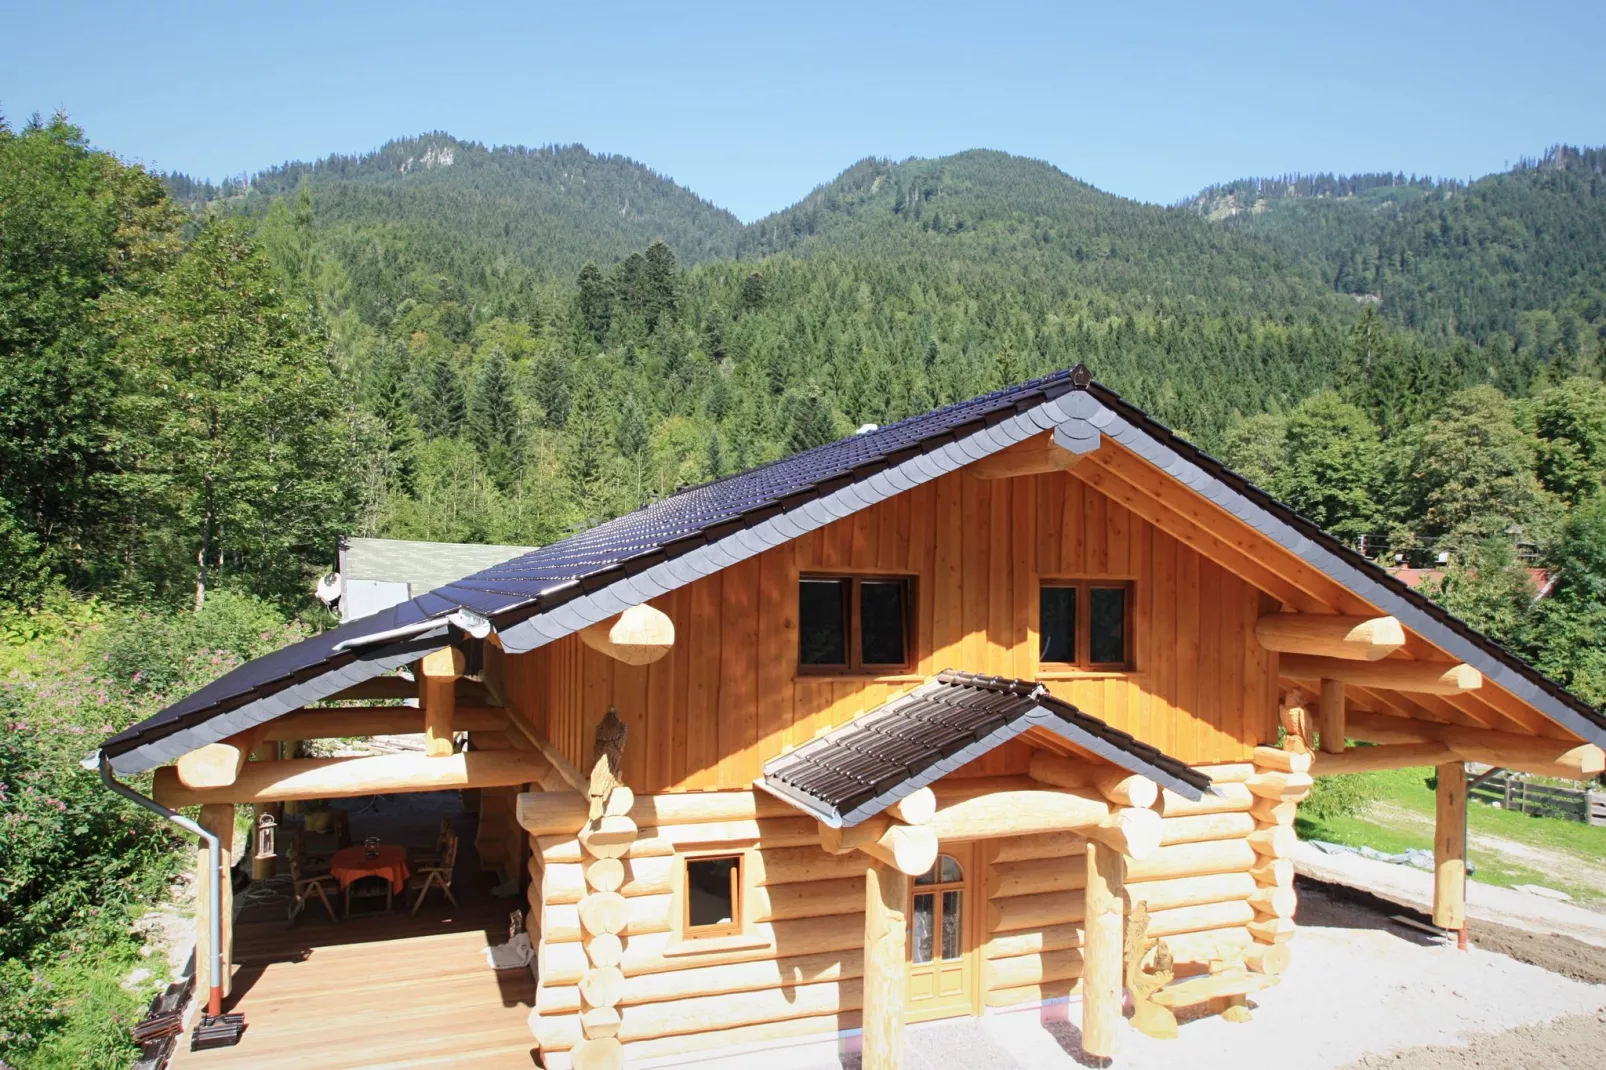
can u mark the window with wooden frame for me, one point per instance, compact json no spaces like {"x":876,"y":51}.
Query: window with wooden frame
{"x":712,"y":896}
{"x":1086,"y":624}
{"x":855,"y":624}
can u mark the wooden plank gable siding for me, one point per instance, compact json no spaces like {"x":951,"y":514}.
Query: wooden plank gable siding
{"x":729,"y":696}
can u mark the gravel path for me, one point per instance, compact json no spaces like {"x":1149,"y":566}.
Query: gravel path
{"x":1362,"y":992}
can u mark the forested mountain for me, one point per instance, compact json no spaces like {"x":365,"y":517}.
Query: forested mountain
{"x":990,"y":207}
{"x":435,"y":204}
{"x":1511,"y":261}
{"x":202,"y":387}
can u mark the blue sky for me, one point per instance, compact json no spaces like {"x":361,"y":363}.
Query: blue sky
{"x":753,"y":104}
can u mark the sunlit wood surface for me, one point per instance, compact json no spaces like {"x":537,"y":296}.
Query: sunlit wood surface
{"x":379,"y":990}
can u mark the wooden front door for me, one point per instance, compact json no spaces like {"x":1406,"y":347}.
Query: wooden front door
{"x":942,"y":944}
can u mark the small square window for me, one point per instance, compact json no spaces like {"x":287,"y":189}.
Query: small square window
{"x":713,"y":895}
{"x":853,"y":624}
{"x":1086,"y":624}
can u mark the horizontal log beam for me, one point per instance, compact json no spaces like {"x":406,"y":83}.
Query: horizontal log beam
{"x":217,"y":765}
{"x":334,"y":778}
{"x":1329,"y":635}
{"x":352,"y":721}
{"x":1568,"y":759}
{"x":638,"y":636}
{"x":1423,"y":677}
{"x":1014,"y":813}
{"x":1385,"y":756}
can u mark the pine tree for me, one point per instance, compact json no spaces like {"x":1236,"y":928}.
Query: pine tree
{"x":493,"y":424}
{"x":660,"y":286}
{"x":810,"y":420}
{"x":386,"y":395}
{"x":755,"y":291}
{"x":594,"y":303}
{"x":442,"y":403}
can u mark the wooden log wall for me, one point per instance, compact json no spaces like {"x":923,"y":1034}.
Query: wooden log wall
{"x":1280,"y":782}
{"x":797,"y":971}
{"x":728,"y":696}
{"x":1199,"y":886}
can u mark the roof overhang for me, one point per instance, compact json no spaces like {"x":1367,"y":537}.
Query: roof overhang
{"x":857,"y":770}
{"x":1078,"y":413}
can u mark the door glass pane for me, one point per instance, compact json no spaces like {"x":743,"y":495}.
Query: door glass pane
{"x":821,"y":612}
{"x":930,"y":875}
{"x":881,"y":620}
{"x":1057,"y":624}
{"x":949,"y":869}
{"x":920,"y":946}
{"x":1107,"y":634}
{"x":952,"y":918}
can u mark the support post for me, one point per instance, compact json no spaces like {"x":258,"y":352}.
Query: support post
{"x":263,"y":868}
{"x":437,"y":681}
{"x":218,"y":819}
{"x":1331,"y":720}
{"x":1102,"y":950}
{"x":1450,"y":848}
{"x":886,"y":898}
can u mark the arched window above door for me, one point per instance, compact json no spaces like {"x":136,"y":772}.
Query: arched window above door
{"x":945,"y":870}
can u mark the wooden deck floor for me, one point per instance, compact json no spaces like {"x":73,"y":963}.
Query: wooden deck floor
{"x":381,"y":991}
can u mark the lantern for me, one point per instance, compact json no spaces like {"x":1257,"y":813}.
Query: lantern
{"x":265,"y":826}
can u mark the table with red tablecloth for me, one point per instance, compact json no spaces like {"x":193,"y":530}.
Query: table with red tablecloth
{"x":353,"y":863}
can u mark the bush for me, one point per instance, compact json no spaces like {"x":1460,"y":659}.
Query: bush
{"x":1340,"y":796}
{"x":78,"y":864}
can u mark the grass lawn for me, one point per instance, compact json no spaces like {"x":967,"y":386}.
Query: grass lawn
{"x":1401,"y":816}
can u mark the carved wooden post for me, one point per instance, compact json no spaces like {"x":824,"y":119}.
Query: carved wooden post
{"x":886,"y":974}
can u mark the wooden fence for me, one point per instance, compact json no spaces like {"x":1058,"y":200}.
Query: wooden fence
{"x":1522,"y":796}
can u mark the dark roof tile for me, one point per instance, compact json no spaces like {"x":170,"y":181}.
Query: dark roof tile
{"x":860,"y":769}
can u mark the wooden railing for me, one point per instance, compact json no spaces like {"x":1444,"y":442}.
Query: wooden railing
{"x":1523,"y":796}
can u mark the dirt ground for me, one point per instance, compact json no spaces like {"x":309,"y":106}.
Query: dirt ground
{"x":1576,"y":1042}
{"x":1363,"y":992}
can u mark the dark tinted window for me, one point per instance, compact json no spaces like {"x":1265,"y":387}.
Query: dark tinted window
{"x":710,"y":892}
{"x":822,"y":620}
{"x":1107,"y":625}
{"x":881,"y":621}
{"x":1057,"y":623}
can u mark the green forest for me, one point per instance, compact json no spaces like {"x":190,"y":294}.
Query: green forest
{"x":203,"y":385}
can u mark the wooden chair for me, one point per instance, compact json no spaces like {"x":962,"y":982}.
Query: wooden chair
{"x":305,"y":885}
{"x":436,"y":876}
{"x":430,"y":858}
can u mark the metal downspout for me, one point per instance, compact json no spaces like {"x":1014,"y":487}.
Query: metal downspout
{"x":214,"y":883}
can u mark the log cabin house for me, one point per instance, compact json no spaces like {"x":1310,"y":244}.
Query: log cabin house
{"x":953,"y":717}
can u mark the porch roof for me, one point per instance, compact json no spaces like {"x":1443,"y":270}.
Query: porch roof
{"x":860,"y":769}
